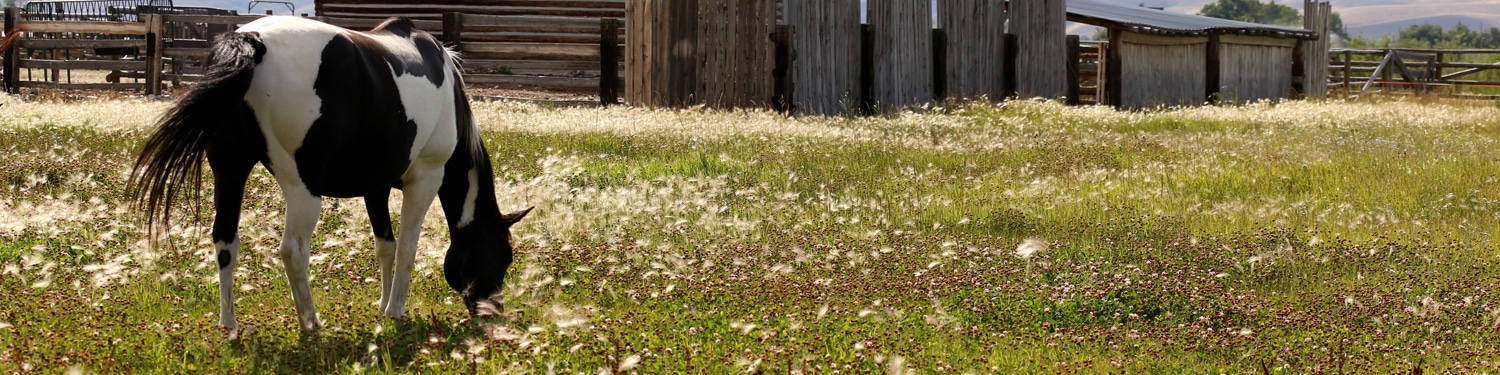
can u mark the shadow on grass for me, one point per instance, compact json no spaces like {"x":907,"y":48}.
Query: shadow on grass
{"x":328,"y":351}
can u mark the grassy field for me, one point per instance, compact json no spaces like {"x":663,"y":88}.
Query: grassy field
{"x":1027,"y":237}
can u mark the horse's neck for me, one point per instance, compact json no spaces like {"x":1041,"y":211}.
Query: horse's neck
{"x":468,"y":191}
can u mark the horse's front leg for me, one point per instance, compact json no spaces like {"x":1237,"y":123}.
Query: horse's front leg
{"x":302,"y":210}
{"x":419,"y":188}
{"x":385,"y":240}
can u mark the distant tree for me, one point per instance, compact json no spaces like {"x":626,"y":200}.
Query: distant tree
{"x":1267,"y":13}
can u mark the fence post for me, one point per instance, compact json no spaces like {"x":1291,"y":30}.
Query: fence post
{"x":153,"y":54}
{"x":1074,"y":97}
{"x":11,"y":52}
{"x":609,"y":61}
{"x":939,"y":64}
{"x":453,"y":28}
{"x":784,"y":86}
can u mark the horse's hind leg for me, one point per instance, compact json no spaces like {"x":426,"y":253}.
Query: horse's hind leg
{"x":302,"y":210}
{"x":385,"y":240}
{"x":230,"y":173}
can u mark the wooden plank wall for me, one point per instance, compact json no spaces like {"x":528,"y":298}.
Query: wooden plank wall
{"x":1254,"y":68}
{"x":976,"y":47}
{"x":1040,"y":28}
{"x":902,"y":43}
{"x":661,"y":68}
{"x":736,"y":53}
{"x":826,"y":41}
{"x":1157,"y":70}
{"x":434,"y":9}
{"x":1315,"y":17}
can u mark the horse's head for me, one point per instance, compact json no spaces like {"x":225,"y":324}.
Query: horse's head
{"x":478,"y":258}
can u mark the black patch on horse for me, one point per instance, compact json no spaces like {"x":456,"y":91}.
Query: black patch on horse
{"x":362,"y":141}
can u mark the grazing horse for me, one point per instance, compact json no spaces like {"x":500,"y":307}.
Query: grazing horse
{"x":335,"y":113}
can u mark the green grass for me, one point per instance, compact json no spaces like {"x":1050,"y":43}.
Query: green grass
{"x":1288,"y":238}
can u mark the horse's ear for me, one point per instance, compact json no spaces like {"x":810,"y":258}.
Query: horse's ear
{"x":515,"y":217}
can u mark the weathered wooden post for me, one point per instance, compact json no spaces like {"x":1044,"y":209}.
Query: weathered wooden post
{"x":975,"y":31}
{"x":12,"y":52}
{"x":1040,"y":28}
{"x":1073,"y":94}
{"x":826,"y":43}
{"x":1008,"y":66}
{"x":902,"y":41}
{"x":1315,"y":16}
{"x":609,"y":61}
{"x":453,"y":29}
{"x":154,"y":29}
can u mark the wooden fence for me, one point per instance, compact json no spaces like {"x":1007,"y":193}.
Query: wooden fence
{"x":1453,"y":72}
{"x":569,"y":53}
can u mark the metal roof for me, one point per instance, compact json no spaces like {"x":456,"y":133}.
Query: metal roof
{"x":1160,"y":22}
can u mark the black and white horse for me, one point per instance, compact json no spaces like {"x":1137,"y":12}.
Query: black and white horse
{"x":335,"y":113}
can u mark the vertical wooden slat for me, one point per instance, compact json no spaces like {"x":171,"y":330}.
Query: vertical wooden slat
{"x":1039,"y":26}
{"x":902,"y":41}
{"x":1073,"y":95}
{"x":939,"y":64}
{"x":826,"y":41}
{"x":976,"y":49}
{"x":12,"y":53}
{"x":609,"y":61}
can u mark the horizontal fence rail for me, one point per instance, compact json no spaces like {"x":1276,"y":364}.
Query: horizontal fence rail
{"x":1448,"y":72}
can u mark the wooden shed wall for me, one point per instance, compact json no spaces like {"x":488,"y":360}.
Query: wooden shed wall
{"x":737,"y":56}
{"x":902,"y":38}
{"x":1254,"y":68}
{"x":976,"y":47}
{"x":1158,"y":70}
{"x":826,"y":40}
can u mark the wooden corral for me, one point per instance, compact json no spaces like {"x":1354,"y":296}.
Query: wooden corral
{"x":1467,"y":73}
{"x":1157,"y":58}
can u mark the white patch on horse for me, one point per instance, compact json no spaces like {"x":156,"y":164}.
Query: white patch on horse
{"x":468,"y":214}
{"x":226,"y":283}
{"x":285,"y":117}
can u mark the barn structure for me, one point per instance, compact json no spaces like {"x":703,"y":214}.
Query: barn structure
{"x":1157,"y":57}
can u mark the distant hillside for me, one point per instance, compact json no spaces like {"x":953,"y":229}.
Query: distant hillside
{"x":1447,"y":22}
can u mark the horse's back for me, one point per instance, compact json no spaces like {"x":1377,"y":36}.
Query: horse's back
{"x":346,"y":113}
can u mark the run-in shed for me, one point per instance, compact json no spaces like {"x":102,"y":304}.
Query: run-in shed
{"x":1157,"y":57}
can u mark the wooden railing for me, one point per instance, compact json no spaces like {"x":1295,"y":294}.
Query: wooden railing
{"x":1456,"y":72}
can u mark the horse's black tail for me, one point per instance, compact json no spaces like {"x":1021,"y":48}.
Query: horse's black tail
{"x":172,"y":157}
